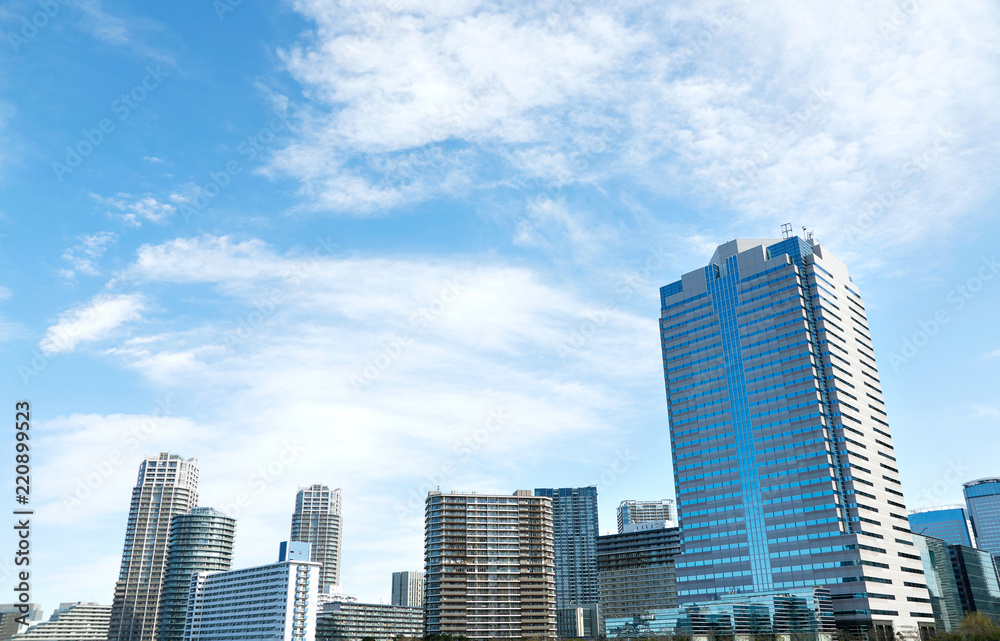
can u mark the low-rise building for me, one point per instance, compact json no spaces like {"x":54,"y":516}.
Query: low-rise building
{"x":348,"y":621}
{"x":798,"y":613}
{"x":81,"y":621}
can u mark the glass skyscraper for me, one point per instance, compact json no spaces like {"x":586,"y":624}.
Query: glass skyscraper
{"x":949,"y":524}
{"x":574,"y":528}
{"x":784,"y":468}
{"x":983,"y":499}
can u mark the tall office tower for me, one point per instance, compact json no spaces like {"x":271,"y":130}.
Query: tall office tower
{"x":949,"y":523}
{"x":408,"y":589}
{"x":200,"y":541}
{"x":978,"y":584}
{"x":636,"y":570}
{"x":489,"y":565}
{"x":575,"y":530}
{"x":941,"y":583}
{"x":783,"y":461}
{"x":317,"y":521}
{"x":167,"y":486}
{"x":16,"y":616}
{"x":983,"y":499}
{"x":636,"y":512}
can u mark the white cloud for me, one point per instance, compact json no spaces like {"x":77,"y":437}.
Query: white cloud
{"x":994,"y":354}
{"x":83,"y":256}
{"x":768,"y":108}
{"x":133,"y":211}
{"x":382,"y":373}
{"x":90,"y":322}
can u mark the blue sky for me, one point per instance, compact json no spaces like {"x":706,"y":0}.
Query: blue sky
{"x":405,"y":244}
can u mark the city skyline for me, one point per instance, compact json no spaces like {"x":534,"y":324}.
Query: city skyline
{"x":396,"y":246}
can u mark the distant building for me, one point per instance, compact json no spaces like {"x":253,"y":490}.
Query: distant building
{"x":636,"y":571}
{"x":356,"y":621}
{"x":317,"y":520}
{"x":580,"y":622}
{"x":940,"y":578}
{"x":334,"y":594}
{"x":950,"y":524}
{"x":81,"y":621}
{"x":11,"y":613}
{"x":983,"y":498}
{"x":200,"y":541}
{"x":976,"y":575}
{"x":274,"y":602}
{"x":645,"y":512}
{"x":167,"y":486}
{"x":489,"y":565}
{"x":408,"y":589}
{"x":575,"y":530}
{"x":783,"y":614}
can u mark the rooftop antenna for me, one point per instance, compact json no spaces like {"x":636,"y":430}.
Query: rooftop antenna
{"x":808,"y":234}
{"x":786,"y":230}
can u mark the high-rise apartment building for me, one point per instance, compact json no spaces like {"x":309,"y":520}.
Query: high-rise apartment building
{"x":276,"y":602}
{"x":983,"y":499}
{"x":575,"y":530}
{"x":408,"y":589}
{"x":167,"y":486}
{"x":949,"y":523}
{"x":636,"y":512}
{"x":489,"y":565}
{"x":636,"y":570}
{"x":317,"y":521}
{"x":784,"y":467}
{"x":200,"y":541}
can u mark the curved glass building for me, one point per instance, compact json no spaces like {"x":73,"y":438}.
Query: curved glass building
{"x":200,"y":541}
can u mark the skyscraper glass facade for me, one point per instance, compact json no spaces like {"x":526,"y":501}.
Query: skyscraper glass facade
{"x":983,"y":499}
{"x":784,"y":467}
{"x":976,"y":575}
{"x":575,"y":530}
{"x":950,"y":524}
{"x":200,"y":541}
{"x":941,"y":582}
